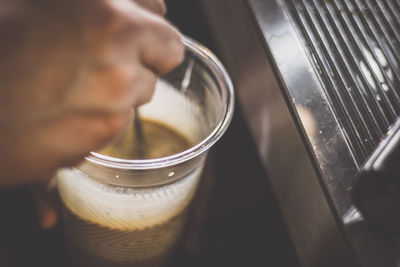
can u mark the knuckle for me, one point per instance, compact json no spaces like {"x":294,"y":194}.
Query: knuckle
{"x":120,"y":83}
{"x":176,"y":52}
{"x":101,"y":21}
{"x":179,"y":52}
{"x":117,"y":21}
{"x":167,"y":49}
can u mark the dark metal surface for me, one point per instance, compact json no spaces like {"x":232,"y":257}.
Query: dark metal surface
{"x":307,"y":212}
{"x":354,"y":48}
{"x":319,"y":84}
{"x":376,"y":192}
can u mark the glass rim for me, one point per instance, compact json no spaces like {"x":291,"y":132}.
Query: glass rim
{"x":223,"y":81}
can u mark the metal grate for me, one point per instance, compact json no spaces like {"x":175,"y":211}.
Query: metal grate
{"x":355,"y":50}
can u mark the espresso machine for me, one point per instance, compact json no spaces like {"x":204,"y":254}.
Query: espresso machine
{"x":319,"y":84}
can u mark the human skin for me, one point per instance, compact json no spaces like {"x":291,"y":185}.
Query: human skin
{"x":71,"y":72}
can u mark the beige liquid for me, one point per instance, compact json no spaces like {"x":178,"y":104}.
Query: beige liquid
{"x":159,"y":141}
{"x":111,"y":226}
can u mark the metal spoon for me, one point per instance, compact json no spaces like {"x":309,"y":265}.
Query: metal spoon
{"x":186,"y":78}
{"x":140,"y":144}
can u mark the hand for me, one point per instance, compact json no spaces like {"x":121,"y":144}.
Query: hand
{"x":44,"y":193}
{"x":71,"y":72}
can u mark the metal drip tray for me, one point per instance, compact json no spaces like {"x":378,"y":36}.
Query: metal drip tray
{"x":319,"y":83}
{"x":355,"y":50}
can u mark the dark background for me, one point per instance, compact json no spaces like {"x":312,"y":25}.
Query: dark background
{"x":235,"y":220}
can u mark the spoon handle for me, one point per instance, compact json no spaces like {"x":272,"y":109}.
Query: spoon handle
{"x":139,"y":136}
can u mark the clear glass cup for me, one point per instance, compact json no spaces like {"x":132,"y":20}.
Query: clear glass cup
{"x":120,"y":212}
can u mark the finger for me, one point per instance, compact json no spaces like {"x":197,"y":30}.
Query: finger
{"x":134,"y":33}
{"x":161,"y":47}
{"x":46,"y":203}
{"x":112,"y":89}
{"x":156,"y":42}
{"x":64,"y":142}
{"x":103,"y":89}
{"x":144,"y":88}
{"x":156,"y":6}
{"x":77,"y":135}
